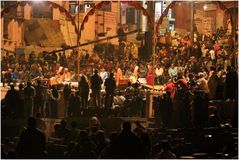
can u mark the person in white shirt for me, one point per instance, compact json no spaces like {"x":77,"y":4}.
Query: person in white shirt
{"x":136,"y":69}
{"x":212,"y":54}
{"x":202,"y":82}
{"x":159,"y":74}
{"x":103,"y":75}
{"x":204,"y":50}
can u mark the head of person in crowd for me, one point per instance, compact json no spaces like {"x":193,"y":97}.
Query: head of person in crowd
{"x":113,"y":136}
{"x":229,"y":68}
{"x":63,"y":123}
{"x":96,"y":72}
{"x":38,"y":115}
{"x":21,"y":86}
{"x":83,"y":136}
{"x":83,"y":78}
{"x":165,"y":145}
{"x":29,"y":83}
{"x":11,"y":86}
{"x":126,"y":126}
{"x":31,"y":122}
{"x":74,"y":125}
{"x":111,"y":75}
{"x":54,"y":87}
{"x":38,"y":82}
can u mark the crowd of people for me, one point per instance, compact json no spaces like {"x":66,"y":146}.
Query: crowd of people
{"x":130,"y":143}
{"x":191,"y":76}
{"x":207,"y":70}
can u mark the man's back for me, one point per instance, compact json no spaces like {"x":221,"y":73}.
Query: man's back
{"x":39,"y":90}
{"x":127,"y":146}
{"x":12,"y":96}
{"x":31,"y":144}
{"x":29,"y":92}
{"x":110,"y":84}
{"x":96,"y":82}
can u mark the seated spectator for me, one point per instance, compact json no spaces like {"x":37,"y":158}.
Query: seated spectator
{"x":166,"y":153}
{"x":11,"y":155}
{"x":139,"y":128}
{"x":156,"y":149}
{"x":213,"y":117}
{"x":146,"y":143}
{"x":106,"y":153}
{"x":84,"y":148}
{"x":8,"y":145}
{"x":3,"y":152}
{"x":127,"y":145}
{"x":56,"y":133}
{"x":94,"y":122}
{"x":32,"y":142}
{"x":70,"y":147}
{"x":119,"y":100}
{"x":101,"y":142}
{"x":64,"y":132}
{"x":74,"y":131}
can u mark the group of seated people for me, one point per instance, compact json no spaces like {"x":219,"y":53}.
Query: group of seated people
{"x":130,"y":143}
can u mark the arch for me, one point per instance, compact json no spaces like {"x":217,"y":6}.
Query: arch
{"x":172,"y":4}
{"x":100,"y":4}
{"x":53,"y":4}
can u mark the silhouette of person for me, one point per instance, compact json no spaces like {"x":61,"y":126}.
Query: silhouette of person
{"x":110,"y":85}
{"x":84,"y":91}
{"x":55,"y":97}
{"x":139,"y":128}
{"x":127,"y":145}
{"x":32,"y":142}
{"x":166,"y":153}
{"x":66,"y":94}
{"x":74,"y":132}
{"x":21,"y":101}
{"x":231,"y":85}
{"x":29,"y":94}
{"x":12,"y":99}
{"x":96,"y":82}
{"x":84,"y":148}
{"x":64,"y":132}
{"x":39,"y":98}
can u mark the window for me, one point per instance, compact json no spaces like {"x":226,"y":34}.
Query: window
{"x":5,"y":28}
{"x":106,"y":8}
{"x":130,"y":15}
{"x":6,"y":3}
{"x":20,"y":11}
{"x":158,"y":10}
{"x":73,"y":7}
{"x":100,"y":27}
{"x":41,"y":10}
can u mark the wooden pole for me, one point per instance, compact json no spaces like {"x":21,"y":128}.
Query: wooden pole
{"x":192,"y":24}
{"x":78,"y":43}
{"x":152,"y":30}
{"x":234,"y":31}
